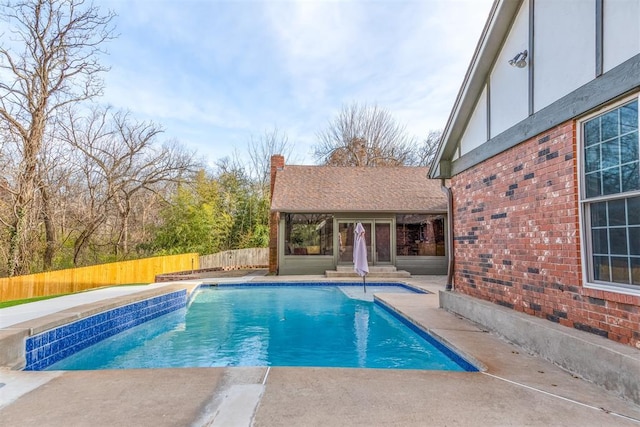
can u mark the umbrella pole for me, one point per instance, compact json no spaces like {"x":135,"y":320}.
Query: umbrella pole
{"x":364,"y":284}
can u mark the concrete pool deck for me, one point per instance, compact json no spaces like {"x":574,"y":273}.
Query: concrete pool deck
{"x":515,"y":389}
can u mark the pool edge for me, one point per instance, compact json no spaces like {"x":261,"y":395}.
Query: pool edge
{"x":13,"y":338}
{"x":18,"y":335}
{"x":466,"y":361}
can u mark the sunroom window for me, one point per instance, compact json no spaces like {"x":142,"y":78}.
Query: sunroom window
{"x":308,"y":234}
{"x":611,"y":197}
{"x":420,"y":235}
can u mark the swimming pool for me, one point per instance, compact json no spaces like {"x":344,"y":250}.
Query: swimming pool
{"x":322,"y":326}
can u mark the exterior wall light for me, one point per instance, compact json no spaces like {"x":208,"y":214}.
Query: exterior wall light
{"x":520,"y":60}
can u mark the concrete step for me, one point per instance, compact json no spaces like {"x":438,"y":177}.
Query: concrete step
{"x":377,"y":272}
{"x":372,"y":268}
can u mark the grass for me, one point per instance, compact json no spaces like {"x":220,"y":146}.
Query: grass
{"x":5,"y":304}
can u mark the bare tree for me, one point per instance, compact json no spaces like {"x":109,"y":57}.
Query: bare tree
{"x":427,"y":151}
{"x":88,"y":190}
{"x":49,"y":60}
{"x":11,"y":160}
{"x":260,"y":151}
{"x":53,"y":175}
{"x":119,"y":159}
{"x":364,"y":135}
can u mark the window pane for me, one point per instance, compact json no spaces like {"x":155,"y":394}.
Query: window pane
{"x":593,"y":184}
{"x":620,"y":270}
{"x":308,"y":234}
{"x":617,"y":214}
{"x":592,"y":159}
{"x":383,"y":242}
{"x":345,"y":241}
{"x":635,"y":271}
{"x":634,"y":240}
{"x":420,"y":235}
{"x":601,"y":268}
{"x":599,"y":214}
{"x":600,"y":241}
{"x":592,"y":132}
{"x":618,"y":241}
{"x":633,"y":210}
{"x":609,"y":124}
{"x":629,"y":117}
{"x":629,"y":147}
{"x":630,"y":176}
{"x":611,"y":181}
{"x":610,"y":153}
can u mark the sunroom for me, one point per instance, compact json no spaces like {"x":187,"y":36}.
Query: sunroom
{"x":315,"y":210}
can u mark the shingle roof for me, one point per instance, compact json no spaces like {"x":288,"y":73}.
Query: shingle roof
{"x":356,"y":189}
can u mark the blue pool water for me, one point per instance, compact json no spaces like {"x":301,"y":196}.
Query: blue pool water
{"x":328,"y":326}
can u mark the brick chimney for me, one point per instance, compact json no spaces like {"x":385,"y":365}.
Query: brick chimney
{"x":277,"y":163}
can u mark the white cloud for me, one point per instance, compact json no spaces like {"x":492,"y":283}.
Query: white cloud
{"x":214,"y":73}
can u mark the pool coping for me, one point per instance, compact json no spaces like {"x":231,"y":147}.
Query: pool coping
{"x":466,"y":361}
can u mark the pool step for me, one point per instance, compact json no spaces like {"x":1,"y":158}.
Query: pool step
{"x":374,"y":271}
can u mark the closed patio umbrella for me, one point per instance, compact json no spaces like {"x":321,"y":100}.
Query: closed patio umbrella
{"x":360,"y":264}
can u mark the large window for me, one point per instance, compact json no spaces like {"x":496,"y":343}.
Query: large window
{"x":308,"y":234}
{"x":611,"y":196}
{"x":420,"y":235}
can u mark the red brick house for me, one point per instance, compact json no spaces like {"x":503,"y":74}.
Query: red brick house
{"x":542,"y":157}
{"x":314,"y":210}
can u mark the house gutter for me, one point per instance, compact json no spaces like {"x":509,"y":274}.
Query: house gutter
{"x":451,"y":262}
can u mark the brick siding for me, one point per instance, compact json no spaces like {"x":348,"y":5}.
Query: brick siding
{"x":277,"y":163}
{"x":517,"y":239}
{"x":274,"y":219}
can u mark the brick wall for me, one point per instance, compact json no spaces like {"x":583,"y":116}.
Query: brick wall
{"x":517,"y":239}
{"x":277,"y":163}
{"x":274,"y":219}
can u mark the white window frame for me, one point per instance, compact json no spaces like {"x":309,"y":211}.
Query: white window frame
{"x":584,"y":208}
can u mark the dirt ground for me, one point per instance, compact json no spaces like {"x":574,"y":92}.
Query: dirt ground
{"x":229,"y":273}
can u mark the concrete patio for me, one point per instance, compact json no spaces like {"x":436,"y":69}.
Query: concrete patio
{"x":514,"y":389}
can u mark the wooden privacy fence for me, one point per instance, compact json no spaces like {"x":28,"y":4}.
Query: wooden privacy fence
{"x":83,"y":278}
{"x":239,"y":258}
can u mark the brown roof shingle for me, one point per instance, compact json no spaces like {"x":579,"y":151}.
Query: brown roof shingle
{"x":356,"y":189}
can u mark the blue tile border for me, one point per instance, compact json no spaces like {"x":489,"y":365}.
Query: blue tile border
{"x":461,"y":361}
{"x":49,"y":347}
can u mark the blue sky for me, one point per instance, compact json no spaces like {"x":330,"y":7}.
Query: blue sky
{"x":214,"y":74}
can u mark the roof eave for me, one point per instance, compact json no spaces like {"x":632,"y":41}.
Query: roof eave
{"x":495,"y":31}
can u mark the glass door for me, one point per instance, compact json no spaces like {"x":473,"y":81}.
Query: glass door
{"x":378,"y":238}
{"x":383,"y":242}
{"x":346,"y":238}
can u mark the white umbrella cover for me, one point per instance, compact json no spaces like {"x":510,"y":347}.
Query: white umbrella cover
{"x":360,"y":264}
